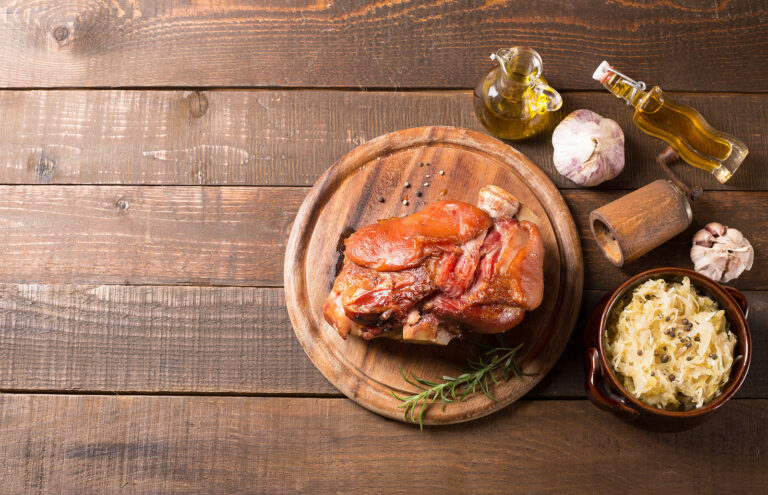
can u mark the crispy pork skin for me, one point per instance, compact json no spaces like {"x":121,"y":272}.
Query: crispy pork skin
{"x":430,"y":276}
{"x":400,"y":243}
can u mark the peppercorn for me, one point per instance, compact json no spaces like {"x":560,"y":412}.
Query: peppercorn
{"x":664,"y":358}
{"x":381,"y":199}
{"x":685,"y":321}
{"x":697,"y":339}
{"x":671,"y":378}
{"x":407,"y":185}
{"x":653,"y":373}
{"x":713,"y":355}
{"x":666,"y":319}
{"x":639,"y":352}
{"x":418,"y":194}
{"x":688,"y":358}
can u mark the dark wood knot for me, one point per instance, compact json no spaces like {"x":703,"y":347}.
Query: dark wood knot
{"x":42,"y":165}
{"x":198,"y":104}
{"x":121,"y":205}
{"x":61,"y":33}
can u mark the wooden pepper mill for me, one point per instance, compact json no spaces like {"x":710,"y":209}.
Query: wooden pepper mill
{"x":640,"y":221}
{"x":643,"y":220}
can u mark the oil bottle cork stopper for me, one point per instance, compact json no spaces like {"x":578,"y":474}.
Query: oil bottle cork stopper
{"x":602,"y":71}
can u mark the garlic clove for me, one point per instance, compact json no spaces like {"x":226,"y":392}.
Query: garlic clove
{"x":704,"y":238}
{"x":747,"y":259}
{"x":721,"y":253}
{"x":716,"y":229}
{"x":497,"y":202}
{"x":739,"y":248}
{"x":588,"y":149}
{"x":731,"y":272}
{"x":711,"y":266}
{"x":732,"y":236}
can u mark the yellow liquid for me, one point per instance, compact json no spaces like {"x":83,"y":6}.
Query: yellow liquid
{"x":684,"y":128}
{"x":511,"y":116}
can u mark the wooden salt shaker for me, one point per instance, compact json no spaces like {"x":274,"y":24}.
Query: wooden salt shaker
{"x":640,"y":221}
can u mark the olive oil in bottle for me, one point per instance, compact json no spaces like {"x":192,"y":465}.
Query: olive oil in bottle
{"x":680,"y":125}
{"x":512,"y":100}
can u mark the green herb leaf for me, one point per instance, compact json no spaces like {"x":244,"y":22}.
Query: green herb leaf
{"x":473,"y":376}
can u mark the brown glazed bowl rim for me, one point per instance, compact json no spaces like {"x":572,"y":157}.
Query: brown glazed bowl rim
{"x":738,"y":326}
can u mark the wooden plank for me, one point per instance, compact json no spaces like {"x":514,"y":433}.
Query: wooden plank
{"x":124,"y":339}
{"x":291,"y":137}
{"x":236,"y":235}
{"x":153,"y":235}
{"x":107,"y":444}
{"x":347,"y":43}
{"x":151,"y":339}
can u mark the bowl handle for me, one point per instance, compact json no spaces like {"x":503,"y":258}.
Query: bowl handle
{"x":741,"y":300}
{"x":596,"y":391}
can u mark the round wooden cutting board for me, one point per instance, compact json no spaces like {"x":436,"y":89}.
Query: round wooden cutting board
{"x":345,"y":198}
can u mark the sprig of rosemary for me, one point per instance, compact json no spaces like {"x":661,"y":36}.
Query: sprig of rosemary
{"x":475,"y":375}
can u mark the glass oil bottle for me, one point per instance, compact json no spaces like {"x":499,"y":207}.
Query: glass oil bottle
{"x":512,"y":100}
{"x":680,"y":125}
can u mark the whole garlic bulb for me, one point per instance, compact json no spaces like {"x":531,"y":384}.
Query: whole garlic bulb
{"x":589,"y":149}
{"x":721,"y":253}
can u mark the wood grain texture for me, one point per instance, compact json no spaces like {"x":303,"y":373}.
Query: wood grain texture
{"x":350,"y":43}
{"x":186,"y":340}
{"x":342,"y":199}
{"x":107,"y":444}
{"x":237,"y":235}
{"x":622,"y":228}
{"x":151,"y":339}
{"x":268,"y":137}
{"x":154,"y":235}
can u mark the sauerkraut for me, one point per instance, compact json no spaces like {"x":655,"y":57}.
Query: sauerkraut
{"x":670,"y":346}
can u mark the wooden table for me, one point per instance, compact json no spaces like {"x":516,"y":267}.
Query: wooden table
{"x":152,"y":157}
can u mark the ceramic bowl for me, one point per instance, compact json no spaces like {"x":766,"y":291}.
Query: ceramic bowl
{"x":604,"y":388}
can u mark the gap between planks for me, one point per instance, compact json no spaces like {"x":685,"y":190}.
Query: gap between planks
{"x":306,"y":188}
{"x":102,"y":393}
{"x":353,"y":89}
